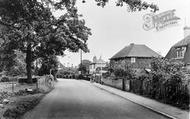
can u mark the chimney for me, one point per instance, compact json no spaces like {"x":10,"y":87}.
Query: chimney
{"x":186,"y":31}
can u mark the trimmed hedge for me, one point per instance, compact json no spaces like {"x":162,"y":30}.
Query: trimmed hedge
{"x":22,"y":80}
{"x":5,"y":79}
{"x":166,"y":82}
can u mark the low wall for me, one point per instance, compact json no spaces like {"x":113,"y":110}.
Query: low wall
{"x":45,"y":82}
{"x":114,"y":83}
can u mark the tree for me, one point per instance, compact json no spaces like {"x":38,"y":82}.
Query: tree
{"x":84,"y":67}
{"x":133,"y":5}
{"x":49,"y":65}
{"x":12,"y":63}
{"x":33,"y":30}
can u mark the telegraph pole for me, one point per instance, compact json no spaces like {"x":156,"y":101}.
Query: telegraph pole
{"x":80,"y":60}
{"x":81,"y":57}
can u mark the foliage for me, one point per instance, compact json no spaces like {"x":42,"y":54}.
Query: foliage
{"x":5,"y":79}
{"x":22,"y":80}
{"x":165,"y":83}
{"x":124,"y":71}
{"x":19,"y":68}
{"x":49,"y":63}
{"x":32,"y":29}
{"x":84,"y":67}
{"x":25,"y":104}
{"x":13,"y":64}
{"x":7,"y":59}
{"x":133,"y":5}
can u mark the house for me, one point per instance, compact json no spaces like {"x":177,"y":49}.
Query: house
{"x":181,"y":50}
{"x":97,"y":65}
{"x":136,"y":55}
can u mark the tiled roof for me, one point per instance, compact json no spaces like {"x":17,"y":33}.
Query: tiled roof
{"x":173,"y":53}
{"x":183,"y":42}
{"x":135,"y":50}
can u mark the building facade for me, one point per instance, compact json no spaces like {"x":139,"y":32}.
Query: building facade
{"x":135,"y":55}
{"x":181,"y":50}
{"x":97,"y":65}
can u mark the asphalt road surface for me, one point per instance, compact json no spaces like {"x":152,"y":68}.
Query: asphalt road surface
{"x":76,"y":99}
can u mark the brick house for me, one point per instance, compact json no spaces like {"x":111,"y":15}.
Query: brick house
{"x":181,"y":50}
{"x":136,"y":55}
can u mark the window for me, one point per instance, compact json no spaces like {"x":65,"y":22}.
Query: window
{"x":133,"y":60}
{"x":181,"y":52}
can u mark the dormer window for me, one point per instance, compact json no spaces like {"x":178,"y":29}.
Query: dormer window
{"x":181,"y":52}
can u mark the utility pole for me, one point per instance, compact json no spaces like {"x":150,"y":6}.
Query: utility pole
{"x":81,"y":58}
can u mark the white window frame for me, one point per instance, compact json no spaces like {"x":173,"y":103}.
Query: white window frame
{"x":133,"y":59}
{"x":181,"y":52}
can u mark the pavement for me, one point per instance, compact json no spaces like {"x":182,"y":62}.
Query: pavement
{"x":78,"y":99}
{"x":160,"y":108}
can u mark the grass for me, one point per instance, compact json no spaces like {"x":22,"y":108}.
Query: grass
{"x":21,"y":100}
{"x":21,"y":105}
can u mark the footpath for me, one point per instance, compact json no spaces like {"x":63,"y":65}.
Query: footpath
{"x":164,"y":109}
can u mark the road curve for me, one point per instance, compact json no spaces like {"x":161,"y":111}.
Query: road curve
{"x":75,"y":99}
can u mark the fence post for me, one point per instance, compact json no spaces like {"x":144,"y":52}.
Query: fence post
{"x":12,"y":87}
{"x":123,"y":84}
{"x":37,"y":84}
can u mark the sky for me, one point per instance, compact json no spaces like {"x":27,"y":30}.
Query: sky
{"x":113,"y":28}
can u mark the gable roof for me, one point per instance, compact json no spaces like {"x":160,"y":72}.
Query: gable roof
{"x":98,"y":61}
{"x":183,"y":42}
{"x":135,"y":50}
{"x":172,"y":52}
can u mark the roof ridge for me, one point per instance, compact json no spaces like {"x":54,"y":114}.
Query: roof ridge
{"x":184,"y":41}
{"x":136,"y":50}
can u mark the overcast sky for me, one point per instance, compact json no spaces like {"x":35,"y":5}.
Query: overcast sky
{"x":113,"y":28}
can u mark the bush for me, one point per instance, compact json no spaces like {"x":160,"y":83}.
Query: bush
{"x":5,"y":79}
{"x":166,"y":82}
{"x":22,"y":80}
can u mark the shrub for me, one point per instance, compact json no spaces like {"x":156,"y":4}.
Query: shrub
{"x":5,"y":79}
{"x":22,"y":80}
{"x":166,"y":82}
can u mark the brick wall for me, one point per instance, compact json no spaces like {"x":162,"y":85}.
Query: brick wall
{"x":140,"y":63}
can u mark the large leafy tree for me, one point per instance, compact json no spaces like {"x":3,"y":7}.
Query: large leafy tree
{"x":32,"y":29}
{"x":133,"y":5}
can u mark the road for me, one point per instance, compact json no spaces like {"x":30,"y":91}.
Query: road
{"x":76,"y":99}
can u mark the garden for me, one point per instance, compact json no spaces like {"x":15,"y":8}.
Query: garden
{"x":17,"y":96}
{"x":166,"y":81}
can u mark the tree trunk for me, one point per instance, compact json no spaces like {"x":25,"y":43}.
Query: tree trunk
{"x":29,"y":63}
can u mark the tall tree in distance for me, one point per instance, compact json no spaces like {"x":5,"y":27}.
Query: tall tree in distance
{"x":84,"y":66}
